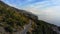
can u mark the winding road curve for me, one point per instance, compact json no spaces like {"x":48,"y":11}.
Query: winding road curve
{"x":26,"y":28}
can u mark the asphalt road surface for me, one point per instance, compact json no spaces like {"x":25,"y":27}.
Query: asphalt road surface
{"x":26,"y":28}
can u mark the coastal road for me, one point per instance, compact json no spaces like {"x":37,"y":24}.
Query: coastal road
{"x":26,"y":28}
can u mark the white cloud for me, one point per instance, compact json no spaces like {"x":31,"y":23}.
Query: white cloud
{"x":48,"y":10}
{"x":29,"y":0}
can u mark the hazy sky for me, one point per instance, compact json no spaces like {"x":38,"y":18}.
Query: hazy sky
{"x":47,"y":10}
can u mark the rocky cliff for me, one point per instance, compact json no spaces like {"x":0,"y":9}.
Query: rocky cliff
{"x":16,"y":21}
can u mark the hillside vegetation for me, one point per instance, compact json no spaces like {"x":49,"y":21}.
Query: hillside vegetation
{"x":12,"y":20}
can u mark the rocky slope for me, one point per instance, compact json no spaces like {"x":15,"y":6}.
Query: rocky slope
{"x":15,"y":21}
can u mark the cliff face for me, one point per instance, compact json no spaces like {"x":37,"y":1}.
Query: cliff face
{"x":15,"y":21}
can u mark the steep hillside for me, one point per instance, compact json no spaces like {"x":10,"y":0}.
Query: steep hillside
{"x":41,"y":27}
{"x":12,"y":19}
{"x":15,"y":21}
